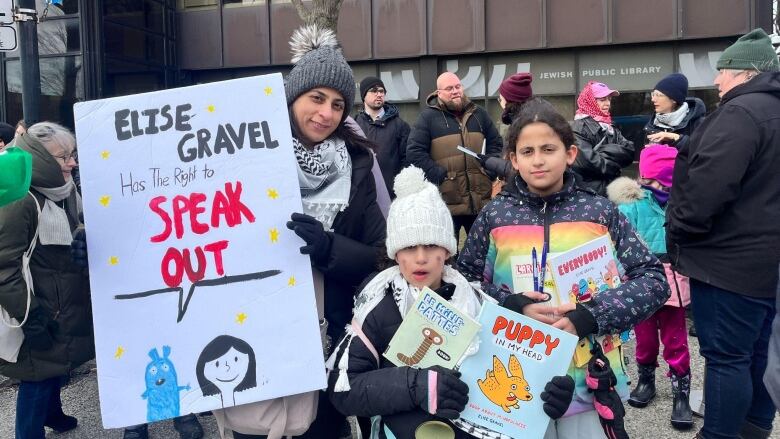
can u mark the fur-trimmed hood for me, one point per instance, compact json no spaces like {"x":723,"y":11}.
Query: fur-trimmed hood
{"x":624,"y":190}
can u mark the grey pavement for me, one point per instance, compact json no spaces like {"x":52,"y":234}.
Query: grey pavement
{"x":80,"y":399}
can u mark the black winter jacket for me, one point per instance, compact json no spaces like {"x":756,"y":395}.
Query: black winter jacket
{"x":723,"y":218}
{"x":61,"y":288}
{"x":601,"y":155}
{"x":390,"y":134}
{"x":696,"y":112}
{"x":357,"y":239}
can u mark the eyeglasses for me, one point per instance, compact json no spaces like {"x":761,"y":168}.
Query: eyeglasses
{"x":377,"y":90}
{"x":657,"y":94}
{"x":65,"y":158}
{"x":452,"y":88}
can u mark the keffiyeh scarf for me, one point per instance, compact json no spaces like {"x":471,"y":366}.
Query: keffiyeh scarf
{"x":325,"y":178}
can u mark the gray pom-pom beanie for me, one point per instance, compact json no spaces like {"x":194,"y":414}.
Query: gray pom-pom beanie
{"x":318,"y":63}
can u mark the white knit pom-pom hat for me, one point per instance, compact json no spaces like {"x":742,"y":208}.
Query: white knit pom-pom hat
{"x":418,"y":216}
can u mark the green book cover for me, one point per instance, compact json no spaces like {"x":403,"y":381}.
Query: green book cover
{"x":432,"y":333}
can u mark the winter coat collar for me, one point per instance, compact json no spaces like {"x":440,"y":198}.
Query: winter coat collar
{"x":516,"y":190}
{"x":391,"y":111}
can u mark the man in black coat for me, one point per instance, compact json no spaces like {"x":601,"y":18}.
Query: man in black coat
{"x":383,"y":125}
{"x":723,"y":231}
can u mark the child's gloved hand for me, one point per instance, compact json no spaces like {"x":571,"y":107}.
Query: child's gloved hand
{"x":601,"y":380}
{"x":440,"y":392}
{"x":557,"y":396}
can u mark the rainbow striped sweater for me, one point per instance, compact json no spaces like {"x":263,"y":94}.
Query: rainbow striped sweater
{"x":516,"y":220}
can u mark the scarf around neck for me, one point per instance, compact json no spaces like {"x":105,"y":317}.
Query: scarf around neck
{"x":673,"y":119}
{"x":53,"y":224}
{"x":325,"y":178}
{"x":587,"y":106}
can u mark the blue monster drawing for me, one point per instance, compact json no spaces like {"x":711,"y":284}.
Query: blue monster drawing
{"x":162,"y":387}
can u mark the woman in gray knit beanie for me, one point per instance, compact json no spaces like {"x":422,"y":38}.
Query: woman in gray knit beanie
{"x":341,"y":226}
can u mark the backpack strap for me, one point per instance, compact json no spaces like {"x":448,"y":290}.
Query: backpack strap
{"x":359,"y":332}
{"x":26,"y":274}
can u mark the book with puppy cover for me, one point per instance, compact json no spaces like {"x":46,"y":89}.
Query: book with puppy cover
{"x":580,"y":274}
{"x":433,"y":333}
{"x":517,"y":357}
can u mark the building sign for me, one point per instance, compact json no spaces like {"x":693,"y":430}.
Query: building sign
{"x":697,"y":62}
{"x":553,"y":73}
{"x":626,"y":68}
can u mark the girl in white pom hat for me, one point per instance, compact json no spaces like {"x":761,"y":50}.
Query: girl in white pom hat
{"x":420,"y":240}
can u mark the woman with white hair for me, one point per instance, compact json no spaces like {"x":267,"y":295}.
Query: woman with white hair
{"x":54,"y":308}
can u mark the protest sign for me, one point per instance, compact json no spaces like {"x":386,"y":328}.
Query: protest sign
{"x":201,"y":298}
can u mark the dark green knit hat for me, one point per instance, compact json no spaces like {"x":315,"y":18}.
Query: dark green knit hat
{"x":752,"y":51}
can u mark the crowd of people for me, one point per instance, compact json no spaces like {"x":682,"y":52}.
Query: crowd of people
{"x":698,"y":228}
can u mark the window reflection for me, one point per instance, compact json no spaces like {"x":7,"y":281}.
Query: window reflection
{"x":196,"y":4}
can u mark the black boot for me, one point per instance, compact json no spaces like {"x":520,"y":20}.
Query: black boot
{"x":751,"y":431}
{"x":188,"y":427}
{"x":136,"y":432}
{"x":682,"y":416}
{"x":644,"y":392}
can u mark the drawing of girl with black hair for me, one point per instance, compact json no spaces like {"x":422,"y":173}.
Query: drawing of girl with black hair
{"x":225,"y":366}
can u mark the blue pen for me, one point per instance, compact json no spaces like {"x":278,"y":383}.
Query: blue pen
{"x":534,"y":268}
{"x":543,"y":268}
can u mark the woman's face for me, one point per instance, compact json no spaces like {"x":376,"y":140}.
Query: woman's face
{"x":604,"y":103}
{"x":422,"y":265}
{"x":65,"y":156}
{"x":662,"y":103}
{"x":317,"y":113}
{"x":228,"y":370}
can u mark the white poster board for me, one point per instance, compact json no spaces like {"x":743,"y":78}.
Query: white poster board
{"x":201,"y":298}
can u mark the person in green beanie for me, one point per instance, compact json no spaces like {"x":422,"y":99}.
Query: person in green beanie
{"x":722,"y":232}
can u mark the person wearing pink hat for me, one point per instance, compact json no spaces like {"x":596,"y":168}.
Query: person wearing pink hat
{"x":604,"y":151}
{"x":643,"y":202}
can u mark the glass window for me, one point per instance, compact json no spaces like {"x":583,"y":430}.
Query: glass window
{"x":241,"y":3}
{"x":55,"y":37}
{"x":124,"y":78}
{"x":147,"y":14}
{"x":62,"y":85}
{"x":124,"y":42}
{"x":64,"y":7}
{"x":196,"y":4}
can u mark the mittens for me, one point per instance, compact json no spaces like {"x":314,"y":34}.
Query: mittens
{"x":516,"y":302}
{"x":37,"y":330}
{"x":78,"y":247}
{"x":318,"y":241}
{"x":557,"y":396}
{"x":440,"y":392}
{"x":601,"y":380}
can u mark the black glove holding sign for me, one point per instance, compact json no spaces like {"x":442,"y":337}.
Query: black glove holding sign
{"x":318,"y":241}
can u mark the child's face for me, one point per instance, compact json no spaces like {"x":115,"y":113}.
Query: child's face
{"x":541,"y":158}
{"x":422,"y":265}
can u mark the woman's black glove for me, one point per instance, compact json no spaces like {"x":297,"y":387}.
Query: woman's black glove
{"x":495,"y":166}
{"x":557,"y":396}
{"x":38,"y":329}
{"x":440,"y":392}
{"x":78,"y":247}
{"x":601,"y":380}
{"x":318,"y":241}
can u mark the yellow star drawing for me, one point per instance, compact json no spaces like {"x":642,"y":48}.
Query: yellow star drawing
{"x":268,"y":91}
{"x":211,"y":108}
{"x":104,"y":200}
{"x":291,"y":281}
{"x":105,"y":155}
{"x":119,"y":352}
{"x":272,"y":194}
{"x":113,"y":260}
{"x":274,"y":234}
{"x":240,"y":317}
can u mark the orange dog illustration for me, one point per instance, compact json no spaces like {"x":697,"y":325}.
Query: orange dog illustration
{"x":503,"y":390}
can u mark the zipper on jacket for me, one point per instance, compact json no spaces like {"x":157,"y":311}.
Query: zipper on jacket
{"x":466,"y":171}
{"x":546,"y":224}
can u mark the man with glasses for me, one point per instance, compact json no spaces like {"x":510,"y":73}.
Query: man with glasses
{"x":449,"y":121}
{"x":382,"y":125}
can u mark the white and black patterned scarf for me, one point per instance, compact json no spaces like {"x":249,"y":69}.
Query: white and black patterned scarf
{"x":325,"y":178}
